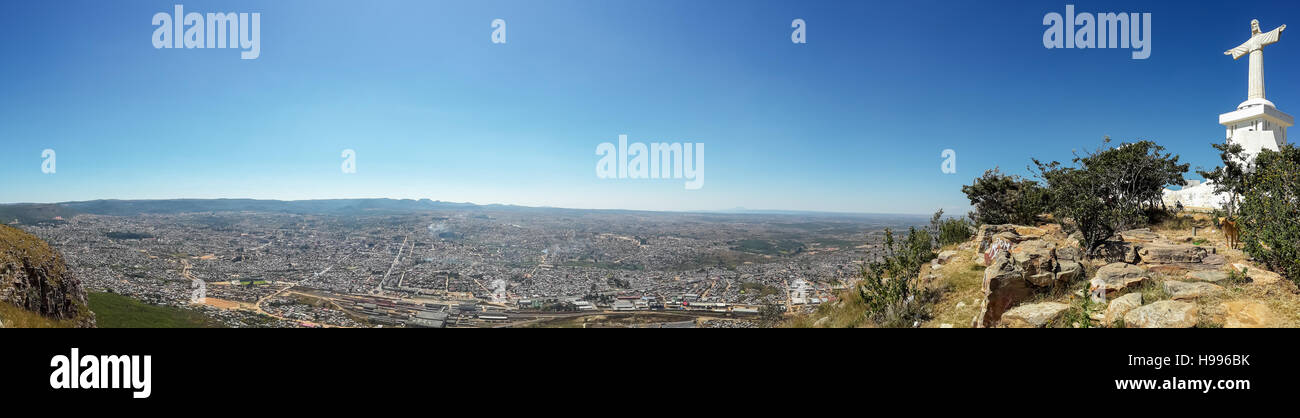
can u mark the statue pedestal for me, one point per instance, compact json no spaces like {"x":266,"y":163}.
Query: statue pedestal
{"x":1256,"y":125}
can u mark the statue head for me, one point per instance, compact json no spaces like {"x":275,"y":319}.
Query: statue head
{"x":1254,"y":26}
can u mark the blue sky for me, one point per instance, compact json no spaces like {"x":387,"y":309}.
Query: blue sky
{"x":854,"y":120}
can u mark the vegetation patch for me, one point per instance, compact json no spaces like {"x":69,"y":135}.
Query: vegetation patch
{"x":117,"y":311}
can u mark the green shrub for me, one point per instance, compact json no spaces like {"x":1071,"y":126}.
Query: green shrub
{"x":1005,"y":199}
{"x":950,"y":231}
{"x":889,"y":289}
{"x":1229,"y":178}
{"x":1110,"y":189}
{"x":1270,"y":209}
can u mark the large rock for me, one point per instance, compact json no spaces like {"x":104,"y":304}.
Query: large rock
{"x":1069,"y":252}
{"x":1208,"y":276}
{"x":1115,"y":279}
{"x":945,"y":256}
{"x":1256,"y":274}
{"x":1163,"y":314}
{"x":1190,"y":290}
{"x":1117,"y":252}
{"x":1171,"y":253}
{"x":986,"y":234}
{"x":993,"y":239}
{"x":1004,"y":287}
{"x":1036,"y":315}
{"x":1121,"y":306}
{"x":1035,"y":257}
{"x":1246,"y":314}
{"x":1068,"y":270}
{"x":1139,"y":235}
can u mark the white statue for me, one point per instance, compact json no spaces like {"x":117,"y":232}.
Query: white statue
{"x":1255,"y":47}
{"x":1256,"y":124}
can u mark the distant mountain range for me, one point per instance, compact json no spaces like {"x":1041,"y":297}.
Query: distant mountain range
{"x":32,"y":213}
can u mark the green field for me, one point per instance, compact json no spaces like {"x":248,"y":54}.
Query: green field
{"x":116,"y":311}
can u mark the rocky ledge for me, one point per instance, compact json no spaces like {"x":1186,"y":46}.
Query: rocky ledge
{"x":34,"y":277}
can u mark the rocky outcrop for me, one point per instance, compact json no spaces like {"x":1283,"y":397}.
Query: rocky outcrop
{"x":1120,"y":307}
{"x":1037,"y":315}
{"x":1116,"y":279}
{"x":1257,"y":275}
{"x":1163,"y":314}
{"x":1144,"y":235}
{"x":1023,"y":261}
{"x":1171,"y":253}
{"x":1190,"y":290}
{"x":993,"y":239}
{"x":1246,"y":314}
{"x":1004,"y":286}
{"x":34,"y":277}
{"x":1208,"y":276}
{"x":1038,"y":260}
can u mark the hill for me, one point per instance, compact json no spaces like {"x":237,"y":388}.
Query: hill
{"x":36,"y":288}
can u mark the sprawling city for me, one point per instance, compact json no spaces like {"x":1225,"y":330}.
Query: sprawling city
{"x":432,"y":264}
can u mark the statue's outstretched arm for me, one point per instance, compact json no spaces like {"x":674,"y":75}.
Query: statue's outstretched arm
{"x":1238,"y":51}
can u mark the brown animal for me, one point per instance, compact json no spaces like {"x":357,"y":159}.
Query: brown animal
{"x":1230,"y":231}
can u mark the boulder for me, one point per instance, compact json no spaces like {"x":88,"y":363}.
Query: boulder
{"x":1120,"y":307}
{"x":1030,"y":232}
{"x":1246,"y":314}
{"x":986,"y":233}
{"x":993,"y":239}
{"x":1208,"y":276}
{"x":1189,"y":290}
{"x":1004,"y":286}
{"x":1162,"y":314}
{"x":1069,"y":252}
{"x":1036,"y":315}
{"x":1171,"y":253}
{"x":1068,"y":270}
{"x":946,"y":255}
{"x":1256,"y":274}
{"x":1115,"y":279}
{"x":1117,"y":252}
{"x":1139,"y":235}
{"x":1035,"y":257}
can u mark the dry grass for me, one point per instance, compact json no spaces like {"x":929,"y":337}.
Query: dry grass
{"x":847,"y":312}
{"x":961,"y":281}
{"x":14,"y":317}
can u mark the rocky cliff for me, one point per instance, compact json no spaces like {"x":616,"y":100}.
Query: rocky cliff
{"x":34,"y":278}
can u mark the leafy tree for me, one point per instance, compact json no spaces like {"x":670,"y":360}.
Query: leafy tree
{"x":1270,"y":209}
{"x":1110,"y":189}
{"x":1229,"y":178}
{"x":888,"y":286}
{"x":1001,"y":199}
